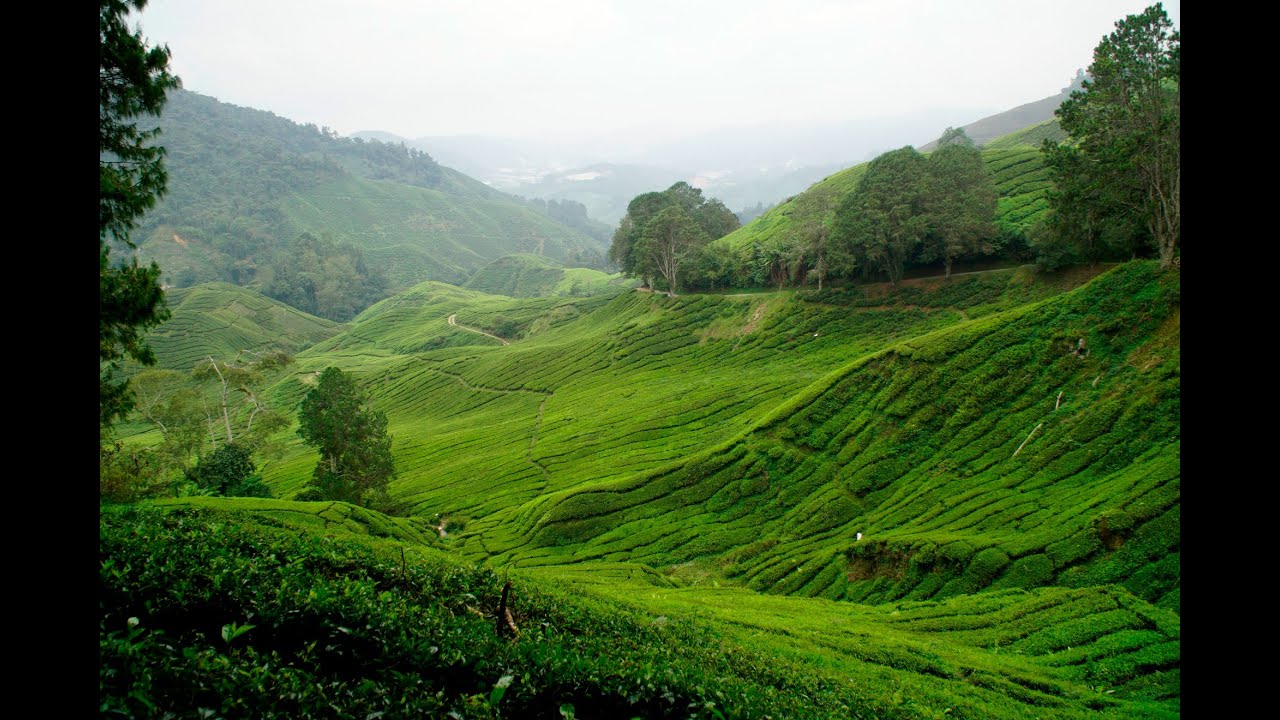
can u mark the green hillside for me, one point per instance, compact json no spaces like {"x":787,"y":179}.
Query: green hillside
{"x":579,"y":434}
{"x":1014,"y":160}
{"x":220,"y":319}
{"x":683,"y":480}
{"x":953,"y":453}
{"x":714,"y":430}
{"x":244,"y":183}
{"x":526,"y":276}
{"x":418,"y":234}
{"x":907,"y":446}
{"x":1032,"y":135}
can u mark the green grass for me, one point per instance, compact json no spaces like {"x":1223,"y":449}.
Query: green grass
{"x":662,"y":430}
{"x":913,"y":445}
{"x":759,"y":434}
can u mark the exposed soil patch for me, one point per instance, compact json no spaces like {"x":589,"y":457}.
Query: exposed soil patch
{"x":751,"y":325}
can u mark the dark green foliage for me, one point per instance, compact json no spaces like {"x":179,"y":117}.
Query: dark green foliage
{"x":229,"y":471}
{"x":128,"y":474}
{"x":130,"y":302}
{"x":885,"y":220}
{"x":779,"y":245}
{"x":907,"y":210}
{"x":1052,"y":248}
{"x":668,"y":241}
{"x":321,"y":277}
{"x":688,"y":220}
{"x":206,"y":610}
{"x":1121,"y":176}
{"x":504,"y":327}
{"x":813,"y":251}
{"x":961,"y":204}
{"x":132,"y":81}
{"x":1088,"y":220}
{"x":355,"y":450}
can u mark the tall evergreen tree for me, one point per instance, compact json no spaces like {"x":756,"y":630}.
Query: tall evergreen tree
{"x":1125,"y":125}
{"x":132,"y":81}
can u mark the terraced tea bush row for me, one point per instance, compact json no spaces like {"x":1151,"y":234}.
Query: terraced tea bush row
{"x":932,"y":450}
{"x":260,"y":612}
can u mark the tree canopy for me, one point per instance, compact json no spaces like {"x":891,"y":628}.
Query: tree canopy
{"x":688,"y":222}
{"x":229,"y":471}
{"x":132,"y":81}
{"x":1121,"y":171}
{"x":356,"y":464}
{"x":668,"y":240}
{"x":961,"y":204}
{"x":885,"y":219}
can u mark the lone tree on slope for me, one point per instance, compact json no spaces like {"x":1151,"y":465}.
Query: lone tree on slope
{"x":355,"y":450}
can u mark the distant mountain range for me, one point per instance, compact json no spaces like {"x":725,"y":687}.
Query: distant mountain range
{"x":739,"y":166}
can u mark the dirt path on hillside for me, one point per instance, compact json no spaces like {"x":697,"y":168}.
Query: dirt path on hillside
{"x":453,"y":320}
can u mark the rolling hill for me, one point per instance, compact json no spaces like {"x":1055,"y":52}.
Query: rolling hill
{"x":623,"y":425}
{"x":220,"y":319}
{"x":535,"y":276}
{"x":995,"y":126}
{"x":1015,"y":162}
{"x":243,"y":183}
{"x":953,"y":498}
{"x":949,"y":498}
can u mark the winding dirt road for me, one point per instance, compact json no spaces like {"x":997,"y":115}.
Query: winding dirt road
{"x":453,"y":320}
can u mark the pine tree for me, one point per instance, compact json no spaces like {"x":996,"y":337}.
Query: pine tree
{"x":132,"y":81}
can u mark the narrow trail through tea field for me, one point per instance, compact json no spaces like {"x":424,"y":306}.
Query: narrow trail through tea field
{"x":453,"y":320}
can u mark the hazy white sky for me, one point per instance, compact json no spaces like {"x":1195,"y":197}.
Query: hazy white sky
{"x":537,"y":67}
